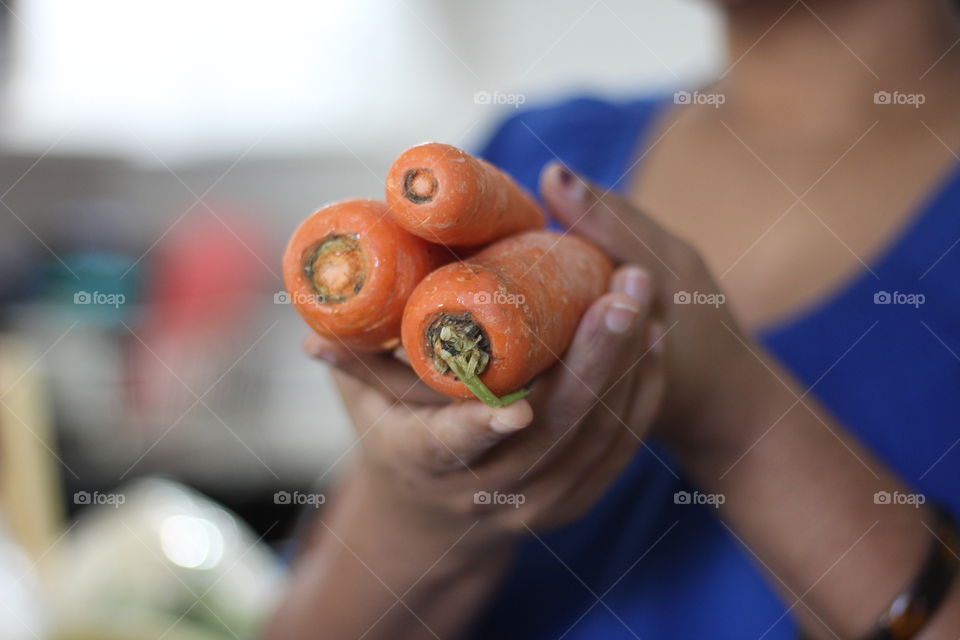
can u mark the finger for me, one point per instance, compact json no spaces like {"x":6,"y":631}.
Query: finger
{"x":608,"y":220}
{"x":456,"y":436}
{"x":568,"y":392}
{"x":438,"y":439}
{"x":382,"y":371}
{"x":633,"y":280}
{"x":610,"y":328}
{"x":598,"y":455}
{"x":635,"y":396}
{"x":632,"y":435}
{"x":593,"y":356}
{"x":594,"y":367}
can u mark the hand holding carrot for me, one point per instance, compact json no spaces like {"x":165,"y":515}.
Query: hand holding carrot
{"x":702,"y":339}
{"x":463,"y":481}
{"x":486,"y":326}
{"x":558,"y":449}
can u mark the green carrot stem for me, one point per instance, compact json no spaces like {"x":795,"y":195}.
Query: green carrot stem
{"x":476,"y":386}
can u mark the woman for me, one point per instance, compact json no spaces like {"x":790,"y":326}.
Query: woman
{"x":783,"y":322}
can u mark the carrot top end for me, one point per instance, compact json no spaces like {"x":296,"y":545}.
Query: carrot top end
{"x":459,"y":346}
{"x":335,"y":268}
{"x":420,"y":185}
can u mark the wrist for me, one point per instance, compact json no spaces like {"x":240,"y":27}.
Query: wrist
{"x":732,"y":409}
{"x":429,"y":522}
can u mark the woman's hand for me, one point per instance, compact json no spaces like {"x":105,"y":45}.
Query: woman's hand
{"x":706,"y":351}
{"x":423,"y":522}
{"x":535,"y":464}
{"x":799,"y":490}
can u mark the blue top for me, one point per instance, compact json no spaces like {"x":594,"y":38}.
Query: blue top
{"x":889,"y":373}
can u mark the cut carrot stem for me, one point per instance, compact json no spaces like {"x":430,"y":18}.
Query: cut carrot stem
{"x":445,"y":195}
{"x":486,"y":327}
{"x":336,"y":268}
{"x":476,"y":386}
{"x":349,"y":270}
{"x":457,"y":346}
{"x":419,"y":185}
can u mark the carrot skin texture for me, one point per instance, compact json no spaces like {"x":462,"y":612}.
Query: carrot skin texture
{"x":447,"y":196}
{"x":526,"y":292}
{"x":392,"y":262}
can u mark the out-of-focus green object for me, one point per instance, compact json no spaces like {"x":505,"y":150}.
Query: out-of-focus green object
{"x":94,"y":287}
{"x":159,"y":559}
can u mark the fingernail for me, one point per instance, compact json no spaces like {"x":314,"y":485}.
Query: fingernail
{"x":326,"y":356}
{"x":501,"y":423}
{"x":636,"y":284}
{"x":571,"y":186}
{"x":621,"y":316}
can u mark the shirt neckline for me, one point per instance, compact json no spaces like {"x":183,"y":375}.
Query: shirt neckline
{"x":900,"y":245}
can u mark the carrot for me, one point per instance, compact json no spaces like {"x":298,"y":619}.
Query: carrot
{"x":445,"y":195}
{"x":349,"y":270}
{"x":487,"y":326}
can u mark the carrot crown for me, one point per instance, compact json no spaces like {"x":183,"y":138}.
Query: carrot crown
{"x":420,"y":185}
{"x":335,"y":268}
{"x":459,"y":345}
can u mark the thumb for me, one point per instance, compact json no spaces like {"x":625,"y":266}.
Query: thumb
{"x":614,"y":225}
{"x":459,"y":433}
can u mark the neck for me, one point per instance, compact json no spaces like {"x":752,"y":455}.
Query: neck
{"x":821,"y":61}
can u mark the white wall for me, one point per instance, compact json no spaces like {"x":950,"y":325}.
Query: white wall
{"x":215,"y":77}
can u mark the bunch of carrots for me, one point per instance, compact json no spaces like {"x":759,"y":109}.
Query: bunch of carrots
{"x":457,"y":265}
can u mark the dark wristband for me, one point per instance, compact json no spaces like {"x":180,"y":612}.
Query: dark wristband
{"x":913,"y":609}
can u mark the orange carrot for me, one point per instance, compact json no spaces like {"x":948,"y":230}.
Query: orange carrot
{"x":349,"y":270}
{"x":445,"y":195}
{"x":487,"y":326}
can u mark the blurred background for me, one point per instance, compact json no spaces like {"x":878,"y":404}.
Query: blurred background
{"x":160,"y":431}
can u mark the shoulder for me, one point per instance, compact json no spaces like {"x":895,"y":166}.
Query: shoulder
{"x":594,"y":136}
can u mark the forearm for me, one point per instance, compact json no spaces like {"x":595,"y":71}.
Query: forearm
{"x":376,"y":570}
{"x":799,"y":493}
